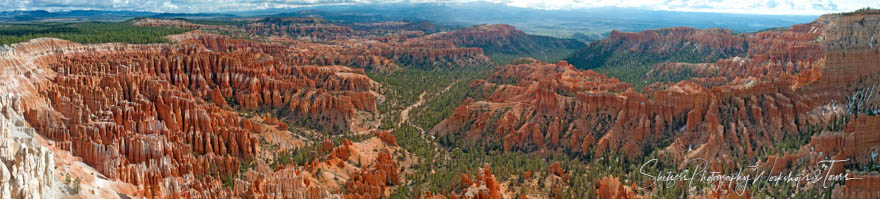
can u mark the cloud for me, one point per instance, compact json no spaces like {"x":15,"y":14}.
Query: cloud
{"x":806,"y":7}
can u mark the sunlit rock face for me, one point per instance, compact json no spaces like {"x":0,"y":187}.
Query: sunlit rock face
{"x":168,"y":119}
{"x":377,"y":46}
{"x":539,"y":105}
{"x":485,"y":186}
{"x":27,"y":169}
{"x":159,"y":116}
{"x":664,"y":42}
{"x":164,"y":118}
{"x":778,"y":84}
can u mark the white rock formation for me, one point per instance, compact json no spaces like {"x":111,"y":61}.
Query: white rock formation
{"x":27,"y":169}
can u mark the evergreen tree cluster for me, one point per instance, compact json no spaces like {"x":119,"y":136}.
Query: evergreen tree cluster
{"x":87,"y":32}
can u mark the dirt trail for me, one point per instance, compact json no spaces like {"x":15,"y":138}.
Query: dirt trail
{"x":404,"y":115}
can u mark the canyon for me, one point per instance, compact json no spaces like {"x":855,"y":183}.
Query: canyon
{"x":793,"y":82}
{"x":303,"y":107}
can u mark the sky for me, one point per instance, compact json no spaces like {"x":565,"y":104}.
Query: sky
{"x":778,"y":7}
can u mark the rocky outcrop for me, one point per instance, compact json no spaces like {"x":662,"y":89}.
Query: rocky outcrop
{"x":791,"y":82}
{"x":418,"y":52}
{"x":308,"y":27}
{"x":317,"y":29}
{"x":484,"y":187}
{"x":178,"y":23}
{"x":241,"y":78}
{"x":663,"y":40}
{"x":770,"y":54}
{"x":502,"y":38}
{"x":319,"y":54}
{"x":284,"y":183}
{"x":373,"y":182}
{"x":27,"y":169}
{"x":407,"y":28}
{"x":611,"y":188}
{"x":24,"y":77}
{"x":679,"y":44}
{"x":556,"y":169}
{"x":851,"y":54}
{"x":161,"y":117}
{"x":804,"y":68}
{"x":374,"y":46}
{"x":577,"y":111}
{"x":854,"y":147}
{"x":865,"y":187}
{"x":381,"y":52}
{"x":386,"y":137}
{"x":158,"y":116}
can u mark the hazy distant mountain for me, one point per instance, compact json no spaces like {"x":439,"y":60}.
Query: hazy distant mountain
{"x":560,"y":23}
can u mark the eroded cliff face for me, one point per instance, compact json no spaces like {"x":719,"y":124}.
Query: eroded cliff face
{"x":160,"y":116}
{"x":660,"y":42}
{"x":503,"y":38}
{"x":28,"y":168}
{"x":850,"y":73}
{"x":852,"y":54}
{"x":814,"y":87}
{"x":378,"y":46}
{"x":373,"y":182}
{"x":578,"y":111}
{"x":174,"y":120}
{"x":682,"y":44}
{"x":610,"y":187}
{"x":305,"y":27}
{"x":795,"y":52}
{"x":151,"y":22}
{"x":790,"y":83}
{"x":375,"y":46}
{"x":415,"y":52}
{"x":485,"y":186}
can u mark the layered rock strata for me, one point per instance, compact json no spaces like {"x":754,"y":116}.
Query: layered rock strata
{"x":27,"y":169}
{"x":159,"y":116}
{"x":791,"y":82}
